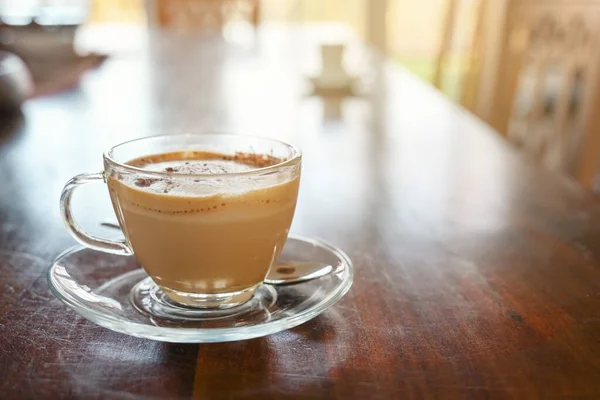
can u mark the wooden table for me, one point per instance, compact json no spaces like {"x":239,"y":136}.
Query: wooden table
{"x":477,"y":272}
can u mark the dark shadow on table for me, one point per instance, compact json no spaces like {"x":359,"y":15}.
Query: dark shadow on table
{"x":259,"y":367}
{"x":318,"y":329}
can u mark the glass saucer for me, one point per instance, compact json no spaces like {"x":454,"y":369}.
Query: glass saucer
{"x":114,"y":292}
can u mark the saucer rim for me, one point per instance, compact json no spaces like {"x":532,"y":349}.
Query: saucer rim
{"x":207,"y":335}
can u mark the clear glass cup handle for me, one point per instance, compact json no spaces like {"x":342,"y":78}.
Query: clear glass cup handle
{"x":118,"y":247}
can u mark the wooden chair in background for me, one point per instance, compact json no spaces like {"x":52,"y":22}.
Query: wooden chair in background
{"x":534,"y":77}
{"x":446,"y":39}
{"x":202,"y":15}
{"x":464,"y":49}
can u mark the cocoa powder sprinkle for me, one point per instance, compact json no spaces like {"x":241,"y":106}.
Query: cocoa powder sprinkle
{"x":141,"y":182}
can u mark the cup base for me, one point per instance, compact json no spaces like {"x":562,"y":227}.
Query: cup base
{"x":150,"y":299}
{"x":214,"y":301}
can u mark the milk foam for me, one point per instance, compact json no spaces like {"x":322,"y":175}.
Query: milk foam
{"x":200,"y":186}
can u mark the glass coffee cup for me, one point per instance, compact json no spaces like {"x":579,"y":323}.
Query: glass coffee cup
{"x":205,"y":215}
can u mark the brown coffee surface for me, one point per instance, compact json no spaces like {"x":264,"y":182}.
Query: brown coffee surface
{"x":205,"y":234}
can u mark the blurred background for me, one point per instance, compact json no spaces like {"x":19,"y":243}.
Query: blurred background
{"x":527,"y":68}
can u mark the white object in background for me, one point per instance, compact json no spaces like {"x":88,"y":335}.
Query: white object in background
{"x":333,"y":68}
{"x":333,"y":74}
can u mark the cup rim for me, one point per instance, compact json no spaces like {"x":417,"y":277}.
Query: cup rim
{"x":296,"y":155}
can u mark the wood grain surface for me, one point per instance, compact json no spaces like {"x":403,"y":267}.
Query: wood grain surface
{"x":477,"y":271}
